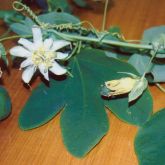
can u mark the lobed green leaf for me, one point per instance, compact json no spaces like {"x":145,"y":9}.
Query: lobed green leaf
{"x":5,"y":103}
{"x":150,"y":141}
{"x":83,"y":121}
{"x":3,"y":54}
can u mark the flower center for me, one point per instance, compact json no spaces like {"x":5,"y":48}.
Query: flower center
{"x":42,"y":56}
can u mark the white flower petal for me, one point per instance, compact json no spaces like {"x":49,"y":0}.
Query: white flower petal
{"x":28,"y":74}
{"x":44,"y":71}
{"x":57,"y":69}
{"x":59,"y":44}
{"x":20,"y":51}
{"x":26,"y":62}
{"x":48,"y":43}
{"x":37,"y":35}
{"x":61,"y":56}
{"x":26,"y":43}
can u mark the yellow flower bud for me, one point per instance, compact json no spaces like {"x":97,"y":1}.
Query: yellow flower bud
{"x":121,"y":86}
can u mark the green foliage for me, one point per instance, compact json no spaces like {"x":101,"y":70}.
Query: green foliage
{"x":10,"y":16}
{"x":120,"y":56}
{"x":150,"y":140}
{"x":5,"y":103}
{"x":81,"y":3}
{"x":3,"y":54}
{"x":136,"y":112}
{"x":55,"y":5}
{"x":158,"y":72}
{"x":155,"y":35}
{"x":139,"y":87}
{"x":104,"y":69}
{"x":140,"y":62}
{"x":157,"y":68}
{"x":58,"y":18}
{"x":24,"y":28}
{"x":83,"y":121}
{"x":115,"y":31}
{"x":42,"y":106}
{"x":64,"y":5}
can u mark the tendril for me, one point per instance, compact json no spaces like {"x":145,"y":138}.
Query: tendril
{"x":160,"y":87}
{"x":20,"y":7}
{"x":17,"y":4}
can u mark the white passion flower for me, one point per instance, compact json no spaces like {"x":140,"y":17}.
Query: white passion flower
{"x":40,"y":55}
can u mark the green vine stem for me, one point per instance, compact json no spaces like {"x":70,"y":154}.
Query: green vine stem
{"x":71,"y":37}
{"x":6,"y":33}
{"x":15,"y":37}
{"x":153,"y":54}
{"x":18,"y":6}
{"x":100,"y":36}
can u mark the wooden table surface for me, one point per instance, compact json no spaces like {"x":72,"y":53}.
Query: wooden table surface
{"x":44,"y":146}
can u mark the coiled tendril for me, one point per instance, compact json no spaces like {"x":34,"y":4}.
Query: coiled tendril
{"x":18,"y":6}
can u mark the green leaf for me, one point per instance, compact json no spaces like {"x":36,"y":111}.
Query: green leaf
{"x":150,"y":141}
{"x":100,"y":68}
{"x":157,"y":69}
{"x":5,"y":103}
{"x":115,"y":30}
{"x":43,"y":104}
{"x":111,"y":54}
{"x":23,"y":28}
{"x":94,"y":68}
{"x":139,"y":87}
{"x":140,"y":62}
{"x":80,"y":3}
{"x":55,"y":5}
{"x":3,"y":54}
{"x":138,"y":111}
{"x":158,"y":72}
{"x":10,"y":16}
{"x":58,"y":18}
{"x":84,"y":121}
{"x":120,"y":56}
{"x":154,"y":35}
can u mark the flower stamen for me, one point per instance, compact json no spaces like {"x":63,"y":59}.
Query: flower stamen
{"x":42,"y":56}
